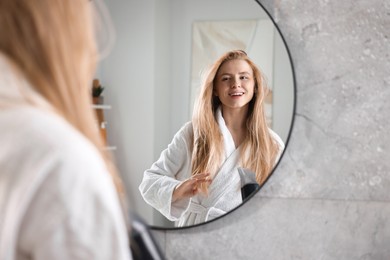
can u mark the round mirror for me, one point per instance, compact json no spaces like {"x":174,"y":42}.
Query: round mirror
{"x":152,"y":76}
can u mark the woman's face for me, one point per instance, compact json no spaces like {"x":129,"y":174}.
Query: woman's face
{"x":234,"y":84}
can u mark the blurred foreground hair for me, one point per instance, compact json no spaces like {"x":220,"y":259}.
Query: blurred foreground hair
{"x":52,"y":44}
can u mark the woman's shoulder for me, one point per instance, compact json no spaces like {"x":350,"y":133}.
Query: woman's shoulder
{"x":185,"y":131}
{"x":182,"y":139}
{"x":42,"y":147}
{"x":277,"y":138}
{"x":187,"y":128}
{"x":31,"y":132}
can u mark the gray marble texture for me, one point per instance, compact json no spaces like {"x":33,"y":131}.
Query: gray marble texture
{"x":329,"y":196}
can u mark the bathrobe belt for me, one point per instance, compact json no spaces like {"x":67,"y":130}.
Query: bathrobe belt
{"x":204,"y":213}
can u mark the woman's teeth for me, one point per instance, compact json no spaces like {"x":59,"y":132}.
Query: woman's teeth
{"x":236,"y":94}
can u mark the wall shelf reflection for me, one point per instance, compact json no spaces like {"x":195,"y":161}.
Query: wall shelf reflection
{"x":101,"y":106}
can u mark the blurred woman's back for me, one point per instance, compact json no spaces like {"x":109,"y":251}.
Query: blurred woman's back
{"x":60,"y":195}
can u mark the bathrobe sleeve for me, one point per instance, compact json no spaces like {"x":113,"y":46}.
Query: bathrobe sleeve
{"x":173,"y":166}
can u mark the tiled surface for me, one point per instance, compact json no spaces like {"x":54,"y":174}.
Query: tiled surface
{"x":329,"y":198}
{"x":289,"y":229}
{"x":339,"y":145}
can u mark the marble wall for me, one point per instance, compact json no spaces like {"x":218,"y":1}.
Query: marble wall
{"x":329,"y":196}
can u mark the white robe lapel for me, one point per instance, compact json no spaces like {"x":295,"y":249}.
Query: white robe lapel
{"x":229,"y":145}
{"x":225,"y":190}
{"x":224,"y":194}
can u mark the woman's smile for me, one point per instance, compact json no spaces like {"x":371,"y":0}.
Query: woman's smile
{"x":236,"y":94}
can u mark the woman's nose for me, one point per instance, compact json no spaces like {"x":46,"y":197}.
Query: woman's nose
{"x":236,"y":83}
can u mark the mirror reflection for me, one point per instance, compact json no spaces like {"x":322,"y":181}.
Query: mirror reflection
{"x":197,"y":178}
{"x":216,"y":153}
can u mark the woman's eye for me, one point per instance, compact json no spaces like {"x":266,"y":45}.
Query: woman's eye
{"x":225,"y":79}
{"x":244,"y":77}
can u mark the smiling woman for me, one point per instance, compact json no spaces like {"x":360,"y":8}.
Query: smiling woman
{"x":197,"y":178}
{"x":175,"y":58}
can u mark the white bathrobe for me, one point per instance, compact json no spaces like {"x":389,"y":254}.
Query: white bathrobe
{"x":174,"y":166}
{"x":57,"y":199}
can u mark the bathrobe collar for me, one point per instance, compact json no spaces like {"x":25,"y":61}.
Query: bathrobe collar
{"x":229,"y":145}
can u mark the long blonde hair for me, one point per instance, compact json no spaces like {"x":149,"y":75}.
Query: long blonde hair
{"x":259,"y":150}
{"x":52,"y":43}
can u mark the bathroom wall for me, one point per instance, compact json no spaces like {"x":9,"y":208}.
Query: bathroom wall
{"x":128,"y":75}
{"x":329,"y":196}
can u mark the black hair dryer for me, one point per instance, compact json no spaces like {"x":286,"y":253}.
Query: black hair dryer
{"x":249,"y":184}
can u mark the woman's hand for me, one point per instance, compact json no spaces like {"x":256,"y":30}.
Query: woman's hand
{"x":191,"y":186}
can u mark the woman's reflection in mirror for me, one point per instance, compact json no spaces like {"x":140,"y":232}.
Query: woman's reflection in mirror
{"x":198,"y":177}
